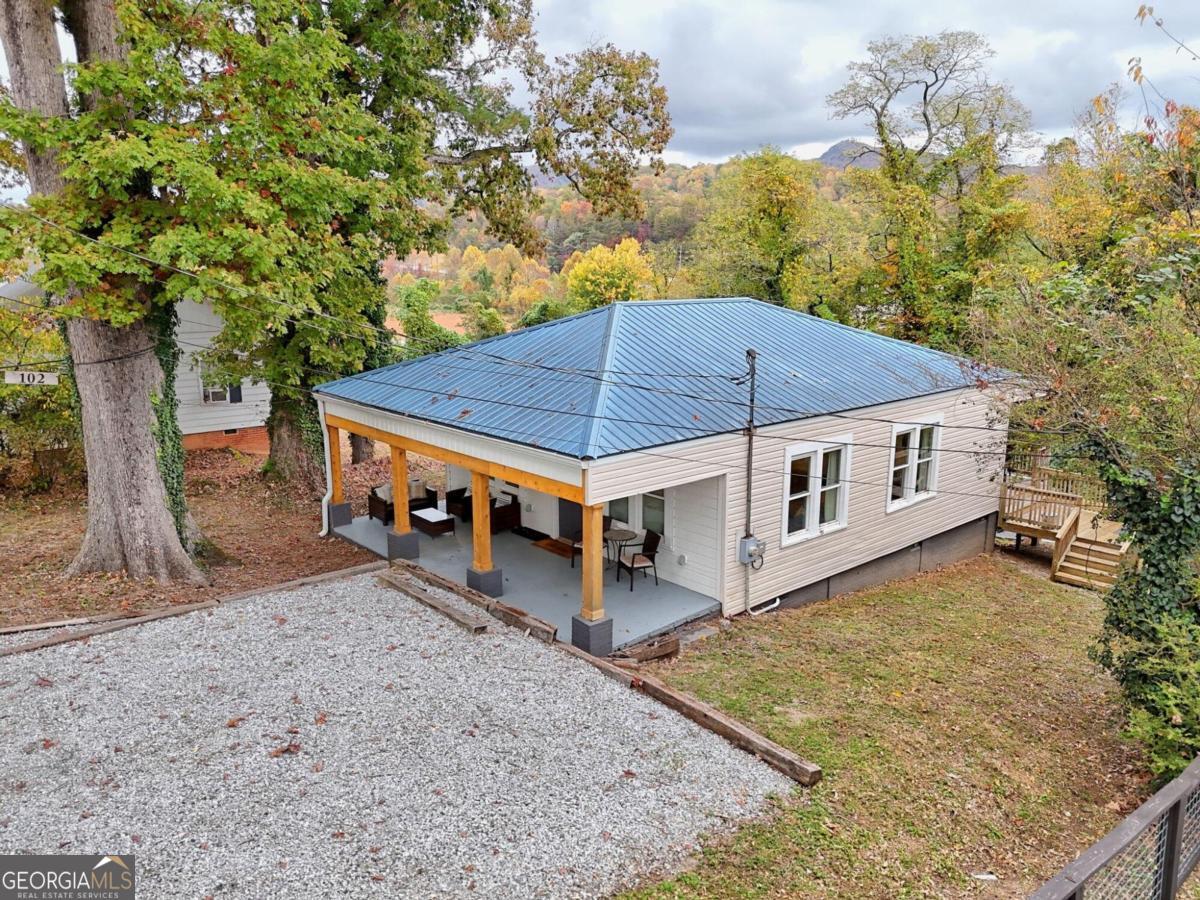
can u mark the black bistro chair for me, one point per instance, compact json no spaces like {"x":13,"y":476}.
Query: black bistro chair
{"x":577,"y":540}
{"x":641,"y":558}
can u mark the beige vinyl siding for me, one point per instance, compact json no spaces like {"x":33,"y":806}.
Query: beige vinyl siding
{"x":457,"y":477}
{"x":198,"y":325}
{"x":694,"y":513}
{"x":967,"y":488}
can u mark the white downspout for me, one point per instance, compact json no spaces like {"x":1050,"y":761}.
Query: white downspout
{"x":328,"y":470}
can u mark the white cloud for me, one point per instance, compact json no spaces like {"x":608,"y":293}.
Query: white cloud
{"x":743,"y":73}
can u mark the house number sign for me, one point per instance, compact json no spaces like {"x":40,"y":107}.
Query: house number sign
{"x":31,"y":378}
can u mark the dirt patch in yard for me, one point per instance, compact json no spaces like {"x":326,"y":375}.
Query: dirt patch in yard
{"x":262,"y":533}
{"x":970,"y":747}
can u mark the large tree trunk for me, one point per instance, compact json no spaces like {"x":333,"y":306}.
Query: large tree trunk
{"x":31,"y":48}
{"x":130,"y":525}
{"x":117,"y":372}
{"x":361,"y":449}
{"x":297,"y":448}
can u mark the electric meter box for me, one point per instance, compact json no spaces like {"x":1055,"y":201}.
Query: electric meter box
{"x":750,"y":550}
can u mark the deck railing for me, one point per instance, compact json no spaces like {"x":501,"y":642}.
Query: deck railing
{"x":1063,"y":539}
{"x":1032,"y":469}
{"x":1091,"y":490}
{"x":1150,"y":854}
{"x":1036,"y":507}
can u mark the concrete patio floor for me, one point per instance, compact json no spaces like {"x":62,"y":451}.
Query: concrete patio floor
{"x":545,"y":585}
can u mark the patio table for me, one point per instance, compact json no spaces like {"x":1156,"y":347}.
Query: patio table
{"x":618,"y":539}
{"x":432,"y":522}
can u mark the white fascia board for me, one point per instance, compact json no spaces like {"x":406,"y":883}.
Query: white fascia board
{"x":527,"y":459}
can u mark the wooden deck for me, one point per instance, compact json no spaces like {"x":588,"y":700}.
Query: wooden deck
{"x":1088,"y":551}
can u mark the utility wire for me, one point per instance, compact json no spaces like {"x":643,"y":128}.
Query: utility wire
{"x":364,"y":376}
{"x":661,"y":455}
{"x":613,"y":449}
{"x":594,"y":374}
{"x":386,"y":332}
{"x":506,"y":360}
{"x":698,"y":430}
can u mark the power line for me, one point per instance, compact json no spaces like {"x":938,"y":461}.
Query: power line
{"x":506,"y":360}
{"x":675,"y":457}
{"x":699,"y":431}
{"x":594,"y":374}
{"x":391,"y":335}
{"x":651,"y":452}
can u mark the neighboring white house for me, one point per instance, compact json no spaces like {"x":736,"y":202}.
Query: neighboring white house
{"x":872,"y":458}
{"x":210,"y":415}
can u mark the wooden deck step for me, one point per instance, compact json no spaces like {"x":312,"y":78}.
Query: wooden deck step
{"x":1099,"y":548}
{"x":1086,"y":562}
{"x":1087,"y":573}
{"x":1068,"y":578}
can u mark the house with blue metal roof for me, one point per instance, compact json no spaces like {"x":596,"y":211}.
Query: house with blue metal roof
{"x":740,"y":454}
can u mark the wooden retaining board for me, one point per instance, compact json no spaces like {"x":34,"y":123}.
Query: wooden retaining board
{"x":471,"y":623}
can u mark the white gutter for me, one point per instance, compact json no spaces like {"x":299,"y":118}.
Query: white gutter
{"x":328,"y":470}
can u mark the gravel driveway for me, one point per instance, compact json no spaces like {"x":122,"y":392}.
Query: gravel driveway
{"x":343,"y":740}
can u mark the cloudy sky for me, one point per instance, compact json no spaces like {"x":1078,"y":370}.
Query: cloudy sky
{"x":743,"y":73}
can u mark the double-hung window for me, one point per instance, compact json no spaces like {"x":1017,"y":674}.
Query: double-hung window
{"x":914,"y":463}
{"x":816,"y":493}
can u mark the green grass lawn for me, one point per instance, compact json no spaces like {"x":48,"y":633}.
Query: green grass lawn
{"x":960,"y":725}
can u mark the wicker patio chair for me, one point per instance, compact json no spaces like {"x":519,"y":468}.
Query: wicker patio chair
{"x":641,"y":558}
{"x":577,"y":540}
{"x":459,"y":504}
{"x":380,"y":505}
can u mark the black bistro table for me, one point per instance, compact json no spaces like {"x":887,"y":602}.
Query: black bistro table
{"x":618,"y":539}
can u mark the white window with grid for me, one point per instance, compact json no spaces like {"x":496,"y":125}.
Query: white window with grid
{"x":816,"y":494}
{"x":914,"y":465}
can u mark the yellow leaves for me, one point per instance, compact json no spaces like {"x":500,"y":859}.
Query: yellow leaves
{"x":603,"y":275}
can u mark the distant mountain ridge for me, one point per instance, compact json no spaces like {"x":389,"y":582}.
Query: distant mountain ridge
{"x":850,"y":154}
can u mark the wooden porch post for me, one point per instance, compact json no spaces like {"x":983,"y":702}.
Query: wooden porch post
{"x":593,"y":564}
{"x":335,"y":462}
{"x":400,"y":490}
{"x":481,"y":521}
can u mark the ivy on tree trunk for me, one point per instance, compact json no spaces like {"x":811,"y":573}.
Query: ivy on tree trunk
{"x":127,"y":406}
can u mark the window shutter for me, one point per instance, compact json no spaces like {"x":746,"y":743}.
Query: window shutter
{"x":235,"y":393}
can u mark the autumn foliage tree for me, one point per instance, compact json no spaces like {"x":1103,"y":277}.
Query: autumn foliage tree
{"x":769,"y":233}
{"x":265,"y":156}
{"x":603,"y":275}
{"x":942,"y":130}
{"x":1109,"y":330}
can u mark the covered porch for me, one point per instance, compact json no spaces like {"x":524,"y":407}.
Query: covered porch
{"x":544,"y":584}
{"x":475,"y":546}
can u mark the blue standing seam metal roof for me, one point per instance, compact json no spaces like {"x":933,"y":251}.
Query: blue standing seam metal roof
{"x":635,"y":375}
